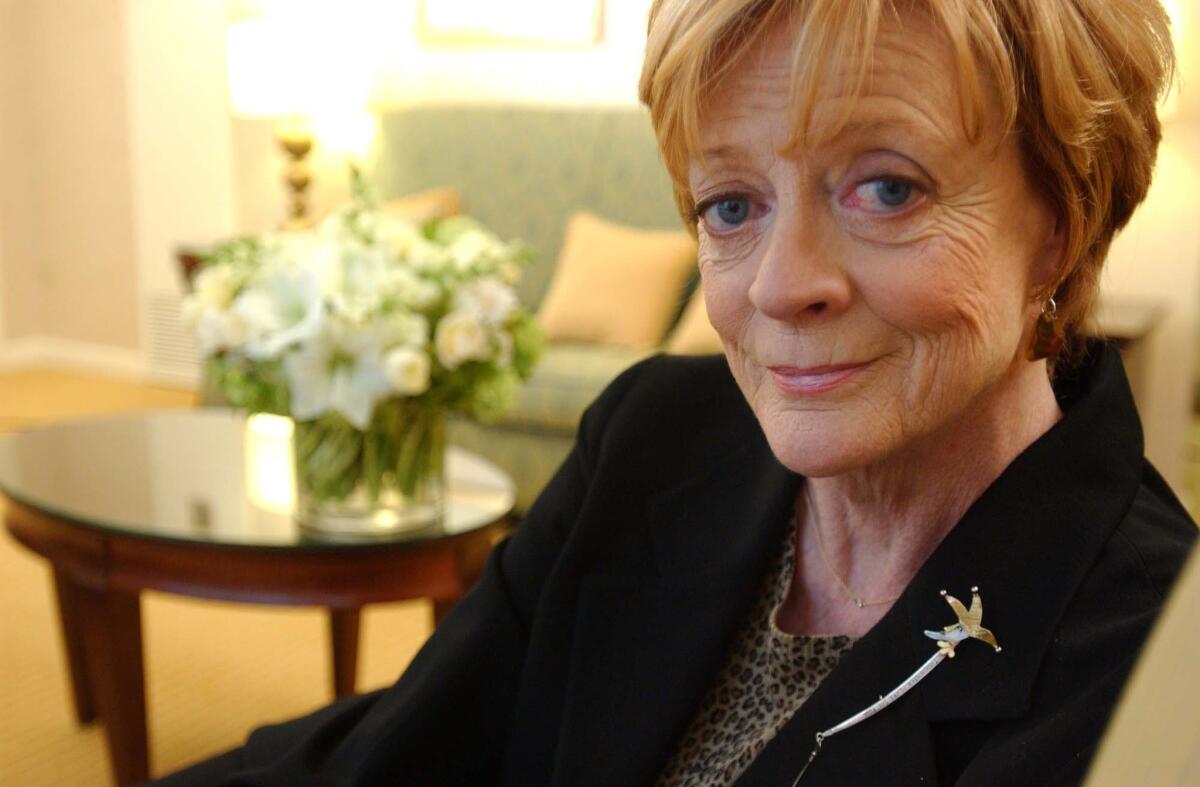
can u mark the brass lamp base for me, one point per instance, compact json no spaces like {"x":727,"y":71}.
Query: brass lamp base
{"x":297,"y":144}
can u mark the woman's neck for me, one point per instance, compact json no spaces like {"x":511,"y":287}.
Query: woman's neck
{"x":871,"y":529}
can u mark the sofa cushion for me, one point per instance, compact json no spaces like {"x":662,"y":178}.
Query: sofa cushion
{"x":565,"y":381}
{"x":616,"y":285}
{"x":694,"y":334}
{"x":436,"y":203}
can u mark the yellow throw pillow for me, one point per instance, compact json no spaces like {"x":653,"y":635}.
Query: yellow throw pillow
{"x":616,"y":285}
{"x":694,"y":334}
{"x":439,"y":203}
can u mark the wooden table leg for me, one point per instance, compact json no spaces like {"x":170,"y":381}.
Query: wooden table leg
{"x":343,"y":637}
{"x":72,"y":637}
{"x":111,"y":624}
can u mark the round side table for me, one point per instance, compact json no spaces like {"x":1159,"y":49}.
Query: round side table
{"x":199,"y":503}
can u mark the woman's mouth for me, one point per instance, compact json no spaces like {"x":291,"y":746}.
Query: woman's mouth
{"x":794,"y":381}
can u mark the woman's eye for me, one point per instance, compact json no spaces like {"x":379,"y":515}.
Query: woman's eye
{"x":884,"y":195}
{"x":893,"y":193}
{"x":726,"y":214}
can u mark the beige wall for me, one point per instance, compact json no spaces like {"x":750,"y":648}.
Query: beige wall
{"x":69,"y":268}
{"x":1157,"y":259}
{"x":182,"y":179}
{"x":20,"y":294}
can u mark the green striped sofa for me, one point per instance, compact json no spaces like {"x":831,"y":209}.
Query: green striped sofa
{"x":523,"y":171}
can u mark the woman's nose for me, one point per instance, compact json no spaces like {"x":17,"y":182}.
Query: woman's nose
{"x":800,"y":275}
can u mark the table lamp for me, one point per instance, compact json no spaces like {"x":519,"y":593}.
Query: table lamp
{"x":296,"y":71}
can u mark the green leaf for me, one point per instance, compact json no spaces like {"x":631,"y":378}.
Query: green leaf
{"x":528,"y":343}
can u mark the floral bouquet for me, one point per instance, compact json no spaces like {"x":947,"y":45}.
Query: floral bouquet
{"x":366,"y":330}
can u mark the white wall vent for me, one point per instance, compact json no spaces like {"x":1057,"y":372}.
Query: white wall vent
{"x":172,"y":355}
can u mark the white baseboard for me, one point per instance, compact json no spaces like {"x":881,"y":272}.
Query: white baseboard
{"x":53,"y":352}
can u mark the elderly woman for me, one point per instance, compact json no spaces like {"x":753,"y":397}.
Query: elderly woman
{"x":740,"y":573}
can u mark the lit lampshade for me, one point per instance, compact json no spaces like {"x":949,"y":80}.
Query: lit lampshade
{"x":310,"y":72}
{"x":302,"y":67}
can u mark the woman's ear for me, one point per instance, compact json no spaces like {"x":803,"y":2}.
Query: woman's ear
{"x":1048,"y":270}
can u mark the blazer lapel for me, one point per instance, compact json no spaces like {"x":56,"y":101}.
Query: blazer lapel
{"x":647,"y":647}
{"x":1027,"y":543}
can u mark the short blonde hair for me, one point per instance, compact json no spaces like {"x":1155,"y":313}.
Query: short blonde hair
{"x":1078,"y":81}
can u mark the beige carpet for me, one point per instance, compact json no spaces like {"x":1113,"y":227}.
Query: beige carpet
{"x":213,"y":671}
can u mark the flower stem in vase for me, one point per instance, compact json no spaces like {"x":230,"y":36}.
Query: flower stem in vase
{"x":353,"y":483}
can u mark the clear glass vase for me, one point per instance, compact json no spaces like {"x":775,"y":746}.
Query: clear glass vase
{"x":356,"y":484}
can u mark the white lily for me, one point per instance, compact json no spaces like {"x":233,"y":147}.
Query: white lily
{"x":340,"y":370}
{"x":282,"y":307}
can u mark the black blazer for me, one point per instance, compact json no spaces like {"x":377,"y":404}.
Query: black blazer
{"x":583,"y":653}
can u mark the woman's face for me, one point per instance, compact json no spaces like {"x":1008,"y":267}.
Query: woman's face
{"x":871,"y":288}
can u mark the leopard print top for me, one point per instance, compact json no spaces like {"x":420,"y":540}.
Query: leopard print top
{"x":768,"y":677}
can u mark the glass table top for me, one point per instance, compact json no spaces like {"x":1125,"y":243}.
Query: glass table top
{"x":207,"y":475}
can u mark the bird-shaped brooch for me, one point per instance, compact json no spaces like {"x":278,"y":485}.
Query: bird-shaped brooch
{"x":969,"y":626}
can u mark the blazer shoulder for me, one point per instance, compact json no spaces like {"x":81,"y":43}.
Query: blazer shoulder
{"x":679,"y":379}
{"x":683,"y":383}
{"x":1143,"y":556}
{"x":1157,"y":533}
{"x":668,"y":398}
{"x":1095,"y":646}
{"x":665,"y":419}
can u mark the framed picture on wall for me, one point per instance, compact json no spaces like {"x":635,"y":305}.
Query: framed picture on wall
{"x":510,"y":23}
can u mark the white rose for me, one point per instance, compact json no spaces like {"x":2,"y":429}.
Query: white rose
{"x":469,"y":249}
{"x":215,"y":286}
{"x":489,"y":299}
{"x":407,"y":370}
{"x":461,"y":338}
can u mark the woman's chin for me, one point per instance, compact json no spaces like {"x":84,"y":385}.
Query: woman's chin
{"x":822,"y":450}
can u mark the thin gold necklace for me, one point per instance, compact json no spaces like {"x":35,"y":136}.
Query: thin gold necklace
{"x":854,"y":598}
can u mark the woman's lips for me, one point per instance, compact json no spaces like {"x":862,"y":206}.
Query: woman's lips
{"x":815,"y":380}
